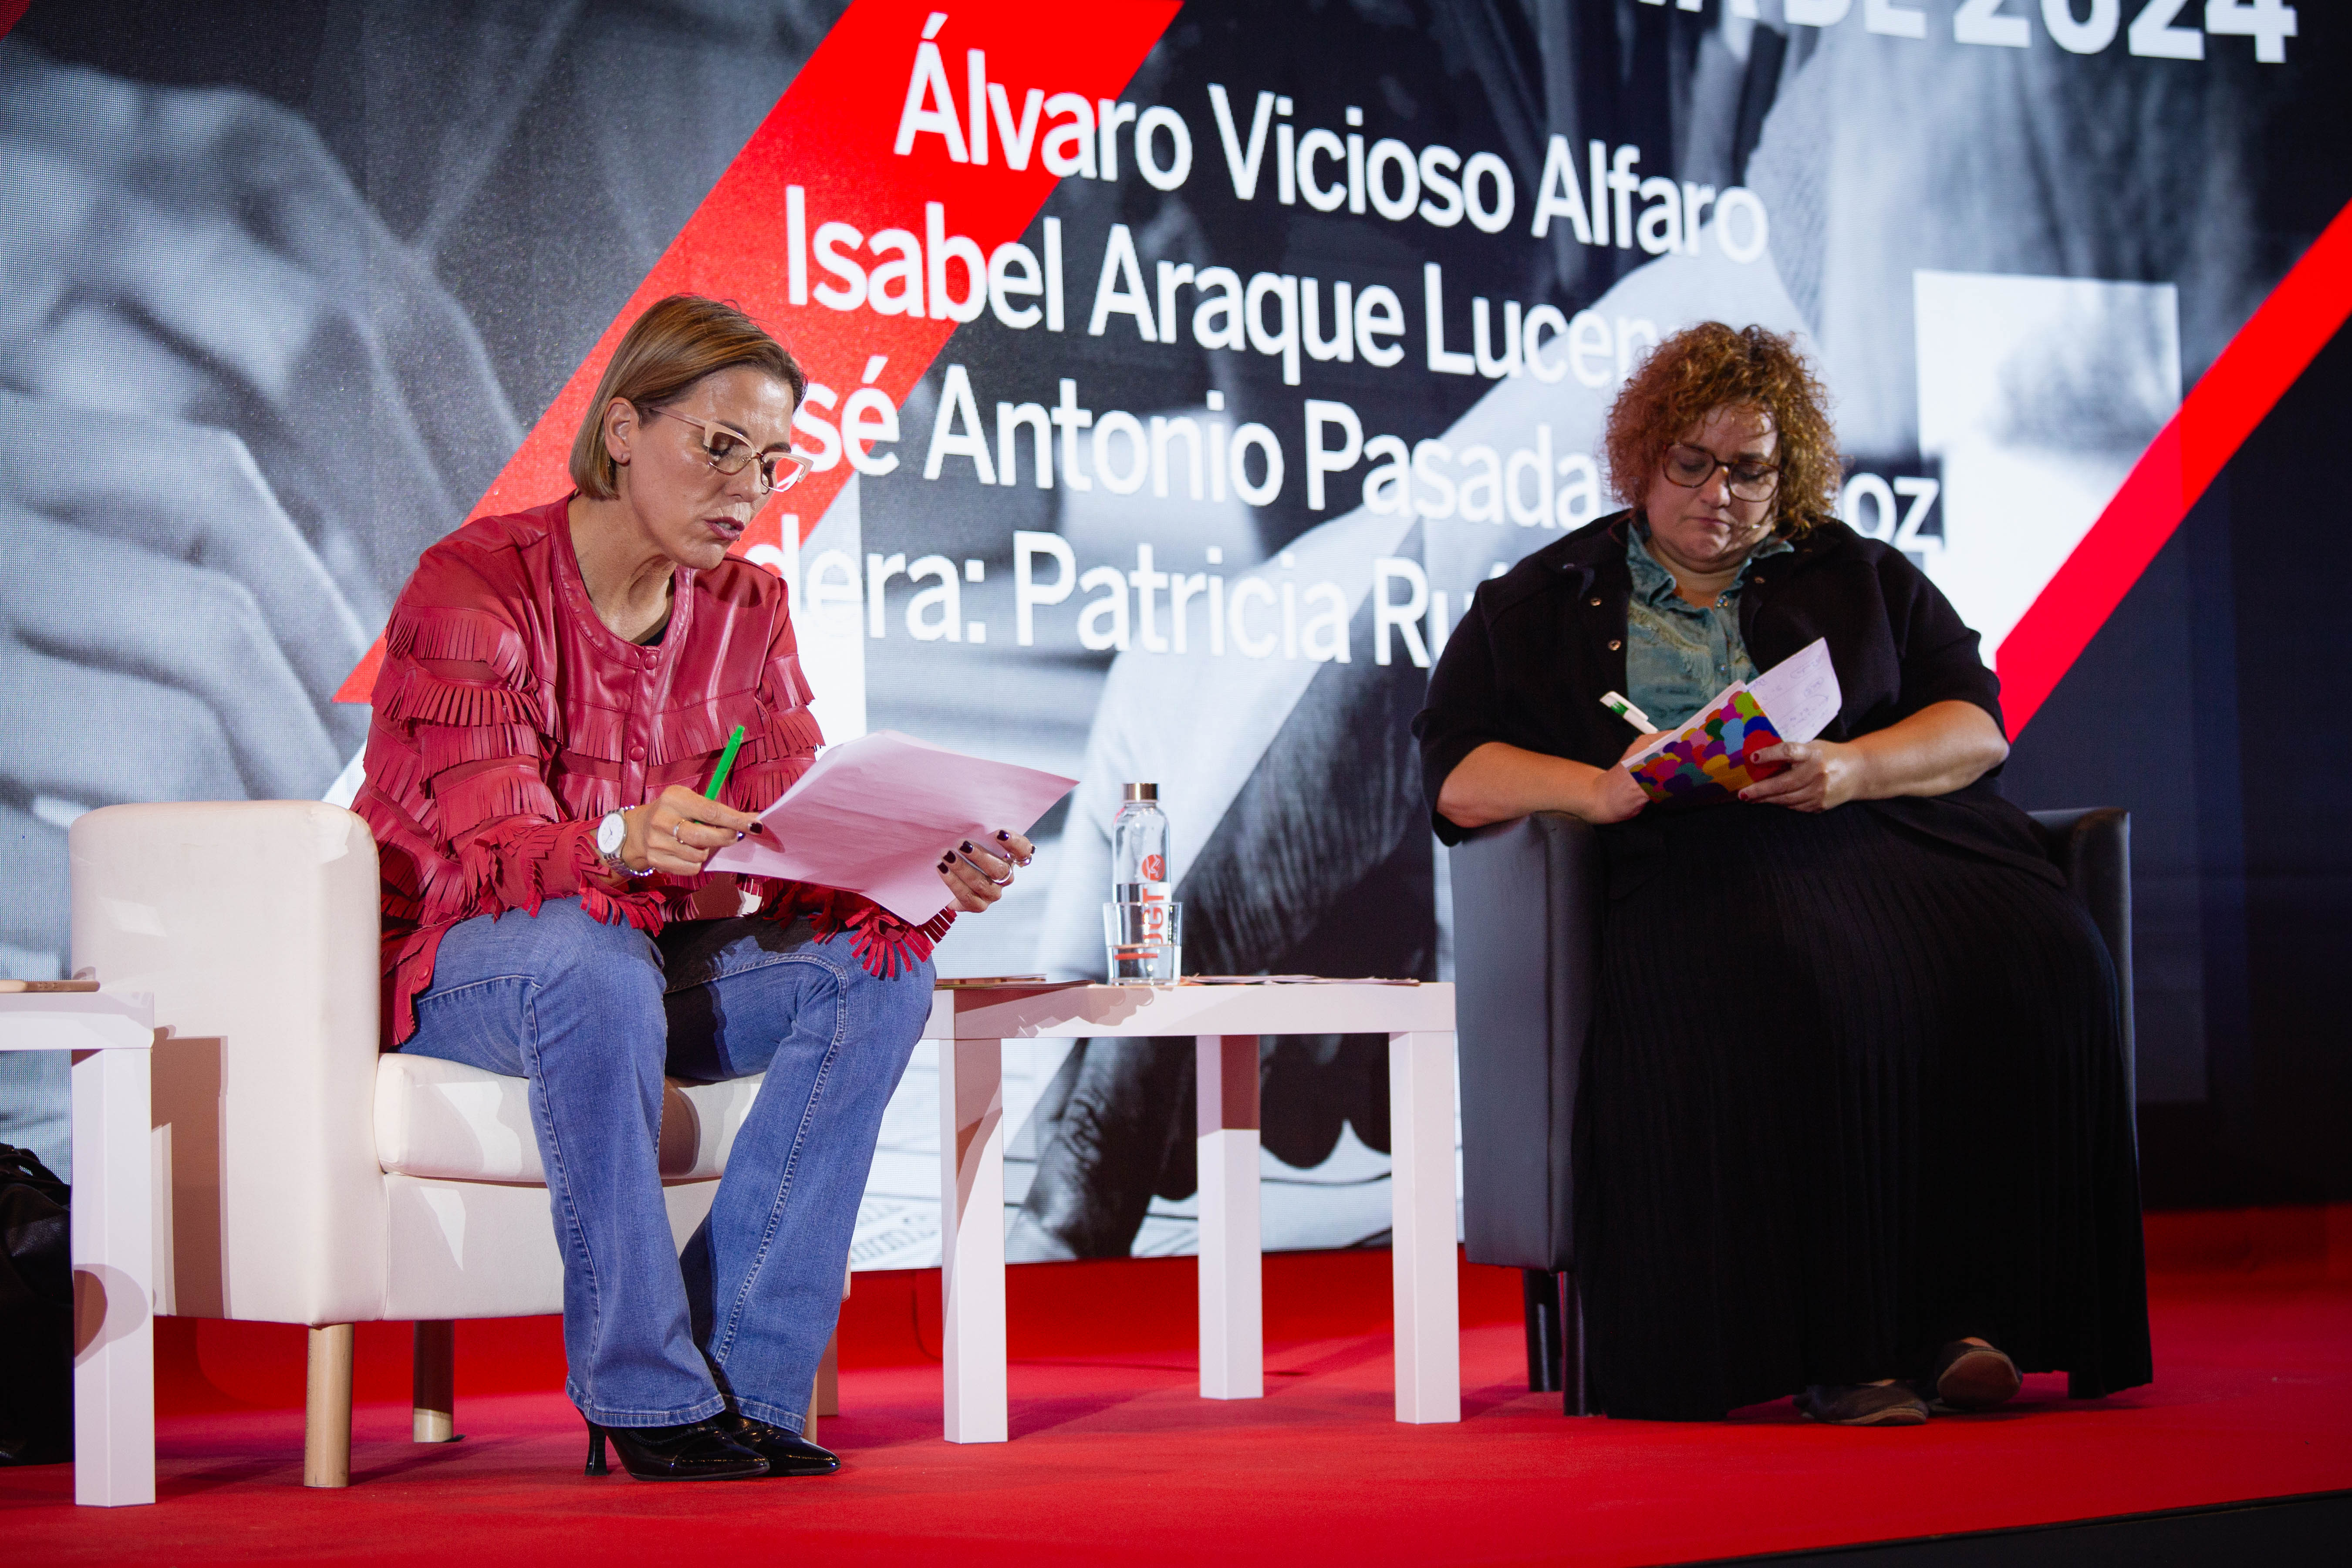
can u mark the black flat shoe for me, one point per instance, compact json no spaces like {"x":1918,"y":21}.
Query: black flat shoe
{"x":1972,"y":1378}
{"x":1862,"y":1404}
{"x":696,"y":1451}
{"x":787,"y":1453}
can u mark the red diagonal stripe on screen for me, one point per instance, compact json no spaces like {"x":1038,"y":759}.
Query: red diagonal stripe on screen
{"x":832,"y":134}
{"x":2284,"y":334}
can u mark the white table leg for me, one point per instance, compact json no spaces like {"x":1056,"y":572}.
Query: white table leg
{"x":113,"y":1262}
{"x":1428,"y":1305}
{"x":1232,"y":1319}
{"x":972,"y":1238}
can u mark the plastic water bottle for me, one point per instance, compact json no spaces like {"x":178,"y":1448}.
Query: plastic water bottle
{"x":1139,"y":848}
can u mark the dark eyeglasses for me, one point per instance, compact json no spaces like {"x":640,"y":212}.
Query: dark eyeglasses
{"x":730,"y":452}
{"x":1691,"y":467}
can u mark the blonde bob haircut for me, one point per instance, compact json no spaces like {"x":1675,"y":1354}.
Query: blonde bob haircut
{"x":677,"y":343}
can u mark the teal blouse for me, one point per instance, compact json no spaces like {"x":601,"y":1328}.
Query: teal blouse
{"x":1678,"y":654}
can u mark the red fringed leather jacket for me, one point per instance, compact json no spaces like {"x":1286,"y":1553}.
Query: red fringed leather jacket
{"x":508,"y":719}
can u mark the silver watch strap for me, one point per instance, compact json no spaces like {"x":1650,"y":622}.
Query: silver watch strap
{"x":614,"y":862}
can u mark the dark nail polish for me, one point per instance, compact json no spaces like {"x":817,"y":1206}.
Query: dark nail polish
{"x":738,"y":838}
{"x":760,"y":828}
{"x":1003,"y":837}
{"x":967,"y":846}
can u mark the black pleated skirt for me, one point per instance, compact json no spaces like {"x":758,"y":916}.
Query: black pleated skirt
{"x":1851,"y":1093}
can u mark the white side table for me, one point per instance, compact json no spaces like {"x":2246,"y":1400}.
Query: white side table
{"x":112,"y":1036}
{"x":971,"y":1025}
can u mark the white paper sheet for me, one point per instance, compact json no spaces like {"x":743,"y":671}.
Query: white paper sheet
{"x":874,"y":814}
{"x":1800,"y":694}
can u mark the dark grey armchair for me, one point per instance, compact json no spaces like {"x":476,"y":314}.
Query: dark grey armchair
{"x":1526,"y":931}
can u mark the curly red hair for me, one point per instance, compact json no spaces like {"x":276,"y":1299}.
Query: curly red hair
{"x":1710,"y":366}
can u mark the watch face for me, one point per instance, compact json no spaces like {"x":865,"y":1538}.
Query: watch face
{"x":611,"y":832}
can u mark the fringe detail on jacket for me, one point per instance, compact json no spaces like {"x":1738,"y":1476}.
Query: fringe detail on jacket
{"x":455,"y":632}
{"x":498,"y":791}
{"x":418,"y":697}
{"x":699,"y":730}
{"x":440,"y":747}
{"x":883,"y":943}
{"x":642,"y":907}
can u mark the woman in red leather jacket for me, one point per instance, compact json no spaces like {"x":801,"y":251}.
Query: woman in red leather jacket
{"x":557,"y":685}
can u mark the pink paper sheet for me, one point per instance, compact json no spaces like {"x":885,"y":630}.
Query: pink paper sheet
{"x":874,"y":814}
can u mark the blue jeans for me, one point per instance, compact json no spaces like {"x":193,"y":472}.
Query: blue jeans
{"x":593,"y":1015}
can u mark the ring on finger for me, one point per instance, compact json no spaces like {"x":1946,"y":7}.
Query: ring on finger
{"x":1003,"y":881}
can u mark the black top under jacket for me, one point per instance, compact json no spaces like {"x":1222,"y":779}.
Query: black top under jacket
{"x":1538,"y":646}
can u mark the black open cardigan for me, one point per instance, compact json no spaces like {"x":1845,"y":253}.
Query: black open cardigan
{"x":1538,"y":646}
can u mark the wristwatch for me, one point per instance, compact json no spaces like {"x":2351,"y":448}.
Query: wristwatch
{"x":611,"y":834}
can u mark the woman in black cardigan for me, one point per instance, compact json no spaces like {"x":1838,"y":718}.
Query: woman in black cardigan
{"x":1854,"y":1123}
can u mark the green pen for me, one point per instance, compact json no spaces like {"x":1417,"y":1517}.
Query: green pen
{"x":1627,"y":711}
{"x":726,"y":762}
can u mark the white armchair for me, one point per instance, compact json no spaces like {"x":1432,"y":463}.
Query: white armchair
{"x":311,"y":1179}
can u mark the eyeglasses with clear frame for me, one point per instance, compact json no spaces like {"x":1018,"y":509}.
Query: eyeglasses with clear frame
{"x":1691,"y":467}
{"x":730,"y":452}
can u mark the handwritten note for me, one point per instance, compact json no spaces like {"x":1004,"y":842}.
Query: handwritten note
{"x":1801,"y":692}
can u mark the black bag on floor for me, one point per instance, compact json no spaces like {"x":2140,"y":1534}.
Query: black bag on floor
{"x":36,"y":1313}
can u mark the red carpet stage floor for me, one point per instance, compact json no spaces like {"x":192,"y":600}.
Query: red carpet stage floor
{"x":1116,"y":1458}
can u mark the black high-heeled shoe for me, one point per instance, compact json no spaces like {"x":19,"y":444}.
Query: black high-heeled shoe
{"x":787,"y":1453}
{"x":696,"y":1451}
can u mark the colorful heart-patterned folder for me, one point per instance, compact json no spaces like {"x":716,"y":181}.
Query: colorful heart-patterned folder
{"x":1707,"y":759}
